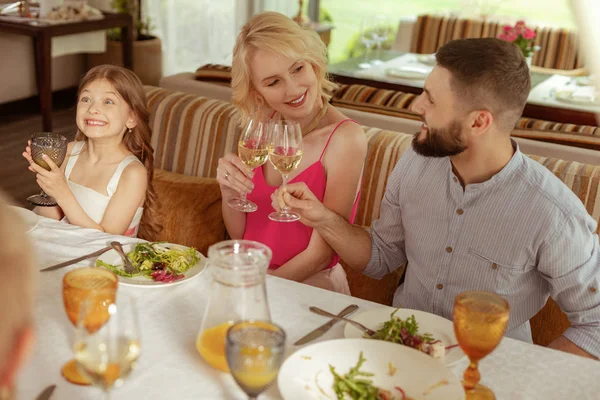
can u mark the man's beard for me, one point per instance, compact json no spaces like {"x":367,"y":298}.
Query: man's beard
{"x":441,"y":142}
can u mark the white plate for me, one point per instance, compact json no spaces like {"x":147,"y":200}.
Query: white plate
{"x":427,"y":59}
{"x":113,"y":258}
{"x":440,"y":328}
{"x":567,"y":97}
{"x":307,"y":370}
{"x":28,"y":217}
{"x":408,"y":72}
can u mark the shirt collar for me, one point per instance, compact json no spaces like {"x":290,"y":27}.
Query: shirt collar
{"x":509,"y":169}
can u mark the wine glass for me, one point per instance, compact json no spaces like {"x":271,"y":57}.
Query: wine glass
{"x":285,"y":154}
{"x":78,"y":285}
{"x":55,"y":147}
{"x":255,"y":351}
{"x":381,"y":31}
{"x":253,"y":150}
{"x":480,"y":319}
{"x":107,"y":354}
{"x":367,"y":37}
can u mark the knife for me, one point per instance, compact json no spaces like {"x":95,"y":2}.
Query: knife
{"x":45,"y":395}
{"x":76,"y":260}
{"x":325,"y":327}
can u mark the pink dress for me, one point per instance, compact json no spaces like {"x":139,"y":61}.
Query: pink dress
{"x":287,"y":239}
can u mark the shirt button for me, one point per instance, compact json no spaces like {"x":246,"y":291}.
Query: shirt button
{"x":494,"y":266}
{"x":455,"y":179}
{"x":593,"y":290}
{"x":460,"y":211}
{"x":439,"y":286}
{"x":448,"y":249}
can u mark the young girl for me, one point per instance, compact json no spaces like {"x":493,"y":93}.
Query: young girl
{"x":105,"y":182}
{"x":279,"y":69}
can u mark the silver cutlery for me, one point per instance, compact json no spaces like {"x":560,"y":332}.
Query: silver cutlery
{"x":360,"y":326}
{"x":127,"y":265}
{"x":46,"y":393}
{"x":76,"y":260}
{"x":325,"y":327}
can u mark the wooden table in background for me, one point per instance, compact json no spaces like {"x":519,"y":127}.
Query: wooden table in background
{"x":42,"y":34}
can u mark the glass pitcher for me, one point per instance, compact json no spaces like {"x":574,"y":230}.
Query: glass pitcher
{"x":237,"y":293}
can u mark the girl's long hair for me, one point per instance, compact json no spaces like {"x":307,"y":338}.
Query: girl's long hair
{"x":130,"y":88}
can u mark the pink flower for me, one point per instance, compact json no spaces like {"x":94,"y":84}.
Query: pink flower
{"x":507,"y":28}
{"x":520,"y":24}
{"x":529,"y":34}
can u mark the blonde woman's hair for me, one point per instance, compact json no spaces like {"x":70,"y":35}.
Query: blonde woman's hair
{"x":274,"y":32}
{"x":17,"y":285}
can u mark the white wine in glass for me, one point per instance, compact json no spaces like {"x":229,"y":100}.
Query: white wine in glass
{"x":285,"y":154}
{"x":108,"y":355}
{"x":253,"y":150}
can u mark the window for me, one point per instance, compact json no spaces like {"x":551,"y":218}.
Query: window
{"x":347,"y":14}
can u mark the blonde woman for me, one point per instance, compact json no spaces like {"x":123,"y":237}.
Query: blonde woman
{"x":280,"y":69}
{"x":17,"y":296}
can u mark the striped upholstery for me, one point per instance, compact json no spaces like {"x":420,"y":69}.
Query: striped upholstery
{"x":558,"y":46}
{"x":397,"y":104}
{"x":190,"y":134}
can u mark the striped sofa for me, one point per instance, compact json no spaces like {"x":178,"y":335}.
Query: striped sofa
{"x":190,"y":134}
{"x":558,"y":47}
{"x":397,"y":104}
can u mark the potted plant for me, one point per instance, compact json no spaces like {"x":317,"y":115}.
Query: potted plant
{"x":522,"y":37}
{"x":147,"y":48}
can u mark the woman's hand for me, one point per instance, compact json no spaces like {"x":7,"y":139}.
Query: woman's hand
{"x":234,"y":176}
{"x":52,"y":182}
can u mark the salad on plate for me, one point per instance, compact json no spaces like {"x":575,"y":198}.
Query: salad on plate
{"x":157,"y":261}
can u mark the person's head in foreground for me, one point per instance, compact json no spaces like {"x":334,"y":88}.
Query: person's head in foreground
{"x":16,"y":296}
{"x":473,"y":97}
{"x":279,"y":65}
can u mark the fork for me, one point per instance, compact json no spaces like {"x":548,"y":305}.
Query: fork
{"x":360,"y":326}
{"x":129,"y":268}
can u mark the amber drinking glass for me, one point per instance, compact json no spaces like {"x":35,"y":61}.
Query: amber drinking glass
{"x":78,"y":286}
{"x":480,"y":320}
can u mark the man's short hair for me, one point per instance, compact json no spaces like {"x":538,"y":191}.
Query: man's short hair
{"x":489,"y":74}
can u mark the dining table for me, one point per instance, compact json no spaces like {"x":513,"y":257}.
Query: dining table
{"x":170,"y":315}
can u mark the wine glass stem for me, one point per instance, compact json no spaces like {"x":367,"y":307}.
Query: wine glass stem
{"x":285,"y":208}
{"x":107,"y":395}
{"x":42,"y":193}
{"x":471,"y":376}
{"x":379,"y":49}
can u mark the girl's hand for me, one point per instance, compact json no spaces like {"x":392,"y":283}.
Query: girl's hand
{"x":52,"y":182}
{"x":27,"y":154}
{"x":234,"y":176}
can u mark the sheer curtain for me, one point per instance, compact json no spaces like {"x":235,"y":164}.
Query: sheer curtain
{"x":198,"y":32}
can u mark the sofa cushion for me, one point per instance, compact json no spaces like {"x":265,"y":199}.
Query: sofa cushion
{"x":190,"y":133}
{"x":214,"y":73}
{"x":558,"y":46}
{"x":191,"y":209}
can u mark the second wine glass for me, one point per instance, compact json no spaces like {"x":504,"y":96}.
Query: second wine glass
{"x":107,"y":355}
{"x":285,"y":154}
{"x":253,"y":150}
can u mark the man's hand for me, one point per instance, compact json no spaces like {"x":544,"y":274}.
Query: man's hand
{"x":302,"y":201}
{"x":563,"y":344}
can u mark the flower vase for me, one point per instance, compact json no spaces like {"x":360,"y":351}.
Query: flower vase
{"x":528,"y":60}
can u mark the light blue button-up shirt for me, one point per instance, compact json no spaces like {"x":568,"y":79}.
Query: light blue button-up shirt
{"x":522,"y":234}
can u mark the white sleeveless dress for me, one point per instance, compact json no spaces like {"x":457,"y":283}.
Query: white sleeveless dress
{"x":93,"y":203}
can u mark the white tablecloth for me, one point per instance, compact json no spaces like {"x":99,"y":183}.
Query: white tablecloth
{"x":544,"y":95}
{"x":170,"y":368}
